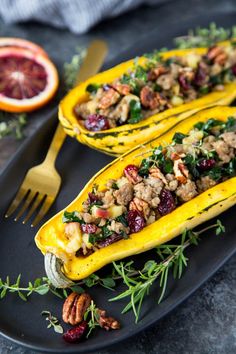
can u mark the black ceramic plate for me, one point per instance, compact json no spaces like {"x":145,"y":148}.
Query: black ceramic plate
{"x":20,"y":321}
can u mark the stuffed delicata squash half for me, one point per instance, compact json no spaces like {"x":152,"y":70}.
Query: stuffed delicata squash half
{"x":140,"y":99}
{"x":146,"y":197}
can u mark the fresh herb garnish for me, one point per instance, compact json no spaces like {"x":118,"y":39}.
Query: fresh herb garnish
{"x":139,"y":282}
{"x":53,"y":322}
{"x":12,"y":125}
{"x":92,"y":317}
{"x":71,"y":68}
{"x":205,"y":37}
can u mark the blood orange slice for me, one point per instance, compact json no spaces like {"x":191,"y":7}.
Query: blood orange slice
{"x":27,"y":79}
{"x":21,"y":43}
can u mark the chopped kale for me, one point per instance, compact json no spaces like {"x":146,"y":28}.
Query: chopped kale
{"x":92,"y":88}
{"x":191,"y":164}
{"x":71,"y":217}
{"x":135,"y":112}
{"x":167,"y":166}
{"x":114,"y":185}
{"x":230,"y":125}
{"x":211,"y":123}
{"x":215,"y":173}
{"x":144,"y":168}
{"x":123,"y":220}
{"x":178,"y":138}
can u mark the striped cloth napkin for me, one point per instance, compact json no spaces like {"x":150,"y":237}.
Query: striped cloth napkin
{"x":76,"y":15}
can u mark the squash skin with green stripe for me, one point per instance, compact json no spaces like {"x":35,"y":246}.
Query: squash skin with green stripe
{"x":187,"y":216}
{"x":117,"y":141}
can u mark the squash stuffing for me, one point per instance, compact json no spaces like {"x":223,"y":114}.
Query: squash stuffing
{"x":149,"y":195}
{"x":142,"y":98}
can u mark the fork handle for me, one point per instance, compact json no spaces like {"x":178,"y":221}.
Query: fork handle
{"x":55,"y":146}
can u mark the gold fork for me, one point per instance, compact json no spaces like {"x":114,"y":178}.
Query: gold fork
{"x":42,"y":182}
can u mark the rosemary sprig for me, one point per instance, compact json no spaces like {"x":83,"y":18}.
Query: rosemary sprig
{"x":91,"y":314}
{"x":53,"y":322}
{"x":172,"y":257}
{"x":71,"y":69}
{"x":205,"y":37}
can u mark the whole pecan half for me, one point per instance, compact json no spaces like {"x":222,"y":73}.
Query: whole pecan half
{"x":107,"y":322}
{"x":74,"y":308}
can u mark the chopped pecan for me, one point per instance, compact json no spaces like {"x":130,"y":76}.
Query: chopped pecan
{"x":149,"y":98}
{"x":107,"y":322}
{"x":140,"y":205}
{"x":74,"y":308}
{"x":155,"y":73}
{"x":108,"y":98}
{"x":123,"y":89}
{"x":156,"y":172}
{"x":217,"y":55}
{"x":180,"y":170}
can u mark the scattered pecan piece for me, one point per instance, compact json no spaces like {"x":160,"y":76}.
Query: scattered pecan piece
{"x":180,"y":170}
{"x":74,"y":308}
{"x":155,"y":73}
{"x":109,"y":98}
{"x":107,"y":322}
{"x":140,"y":205}
{"x":149,"y":98}
{"x":156,"y":172}
{"x":217,"y":55}
{"x":123,"y":89}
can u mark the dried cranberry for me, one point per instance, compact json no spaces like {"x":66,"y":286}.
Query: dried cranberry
{"x":96,"y":122}
{"x":206,"y":164}
{"x":131,"y":172}
{"x":234,"y":69}
{"x":89,"y":228}
{"x":167,"y":202}
{"x":92,"y":198}
{"x":200,"y":76}
{"x":136,"y":221}
{"x":75,"y":334}
{"x":184,"y":82}
{"x":109,"y":240}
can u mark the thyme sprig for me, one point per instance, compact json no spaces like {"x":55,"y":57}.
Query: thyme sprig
{"x":205,"y":37}
{"x":71,"y":68}
{"x":92,"y":317}
{"x":172,"y":257}
{"x":40,"y":286}
{"x":53,"y":322}
{"x":12,"y":125}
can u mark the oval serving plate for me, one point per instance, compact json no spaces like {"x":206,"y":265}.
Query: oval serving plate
{"x":21,"y":322}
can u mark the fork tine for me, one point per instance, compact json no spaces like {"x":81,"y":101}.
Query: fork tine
{"x":43,"y":210}
{"x":16,"y":201}
{"x":38,"y":199}
{"x":26,"y":204}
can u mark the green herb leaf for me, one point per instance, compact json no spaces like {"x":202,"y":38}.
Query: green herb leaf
{"x":71,"y":217}
{"x":92,"y":88}
{"x":135,"y":112}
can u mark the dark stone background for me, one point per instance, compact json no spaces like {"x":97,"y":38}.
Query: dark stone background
{"x":206,"y":322}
